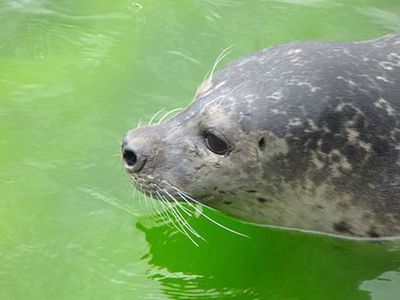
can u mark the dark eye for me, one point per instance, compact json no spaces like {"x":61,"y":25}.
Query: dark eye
{"x":216,"y":144}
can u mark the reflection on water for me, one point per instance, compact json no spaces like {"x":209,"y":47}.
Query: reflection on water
{"x":386,"y":286}
{"x":270,"y":264}
{"x":74,"y":77}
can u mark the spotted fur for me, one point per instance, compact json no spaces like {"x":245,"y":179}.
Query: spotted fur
{"x":314,"y":131}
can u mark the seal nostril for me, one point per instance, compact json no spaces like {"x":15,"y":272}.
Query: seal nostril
{"x":129,"y":157}
{"x":261,"y":144}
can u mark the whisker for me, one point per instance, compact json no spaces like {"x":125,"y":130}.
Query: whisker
{"x":171,"y":214}
{"x":208,"y":217}
{"x":139,"y":196}
{"x":181,"y":225}
{"x":170,"y":222}
{"x":220,"y":57}
{"x":185,"y":197}
{"x":156,"y":210}
{"x":134,"y":194}
{"x":184,"y":222}
{"x":184,"y":209}
{"x":149,"y":209}
{"x":163,"y":213}
{"x":180,"y":217}
{"x":206,"y":84}
{"x":155,"y":116}
{"x":139,"y":123}
{"x":167,"y":211}
{"x":168,"y":113}
{"x":160,"y":213}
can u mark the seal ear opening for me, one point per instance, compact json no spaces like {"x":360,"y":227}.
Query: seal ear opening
{"x":261,"y":144}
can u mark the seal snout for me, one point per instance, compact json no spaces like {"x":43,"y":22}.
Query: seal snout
{"x":133,"y":161}
{"x":138,"y":147}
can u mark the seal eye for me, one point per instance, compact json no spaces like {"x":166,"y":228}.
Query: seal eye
{"x":216,"y":144}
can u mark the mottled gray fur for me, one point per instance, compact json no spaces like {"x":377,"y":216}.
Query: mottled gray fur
{"x":314,"y":136}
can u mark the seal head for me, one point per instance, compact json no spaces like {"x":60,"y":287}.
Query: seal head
{"x":304,"y":135}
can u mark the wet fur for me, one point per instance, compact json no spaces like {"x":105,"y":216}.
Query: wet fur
{"x":314,"y":136}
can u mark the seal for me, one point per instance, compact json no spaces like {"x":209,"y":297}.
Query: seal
{"x":304,"y":135}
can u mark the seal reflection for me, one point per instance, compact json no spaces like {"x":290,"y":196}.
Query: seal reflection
{"x":271,"y":264}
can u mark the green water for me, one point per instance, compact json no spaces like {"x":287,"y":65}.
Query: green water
{"x":74,"y":77}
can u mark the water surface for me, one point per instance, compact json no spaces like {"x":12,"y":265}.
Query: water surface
{"x":74,"y":77}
